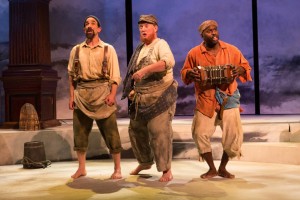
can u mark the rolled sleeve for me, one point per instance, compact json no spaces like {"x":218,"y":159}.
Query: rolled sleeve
{"x":188,"y":64}
{"x":245,"y":64}
{"x":71,"y":61}
{"x":114,"y":72}
{"x":165,"y":54}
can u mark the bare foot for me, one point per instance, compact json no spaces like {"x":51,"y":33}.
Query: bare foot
{"x":117,"y":174}
{"x":167,"y":176}
{"x":139,"y":168}
{"x":225,"y":174}
{"x":79,"y":173}
{"x":209,"y":174}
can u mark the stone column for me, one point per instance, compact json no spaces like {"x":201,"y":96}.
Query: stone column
{"x":29,"y":77}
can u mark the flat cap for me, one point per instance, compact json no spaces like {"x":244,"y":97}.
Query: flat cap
{"x":206,"y":24}
{"x":151,"y":19}
{"x":92,"y":16}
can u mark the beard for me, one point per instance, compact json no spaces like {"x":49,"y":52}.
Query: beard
{"x":90,"y":34}
{"x":147,"y":40}
{"x":209,"y":42}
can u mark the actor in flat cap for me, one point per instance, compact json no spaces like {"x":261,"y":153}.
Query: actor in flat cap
{"x":94,"y":77}
{"x":152,"y":90}
{"x":217,"y":103}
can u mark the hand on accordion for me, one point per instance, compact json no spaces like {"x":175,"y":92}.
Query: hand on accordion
{"x":194,"y":74}
{"x":216,"y":75}
{"x":238,"y":71}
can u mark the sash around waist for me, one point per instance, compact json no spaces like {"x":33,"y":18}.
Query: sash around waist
{"x":159,"y":86}
{"x":149,"y":105}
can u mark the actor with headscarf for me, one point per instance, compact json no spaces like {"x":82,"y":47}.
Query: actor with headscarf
{"x":150,"y":86}
{"x":94,"y":76}
{"x":216,"y":104}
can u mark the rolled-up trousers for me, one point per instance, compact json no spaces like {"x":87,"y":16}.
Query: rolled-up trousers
{"x":152,"y":140}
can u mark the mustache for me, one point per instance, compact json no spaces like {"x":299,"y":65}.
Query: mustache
{"x":89,"y":29}
{"x":90,"y":33}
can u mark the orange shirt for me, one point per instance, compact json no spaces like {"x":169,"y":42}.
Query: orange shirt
{"x":206,"y":102}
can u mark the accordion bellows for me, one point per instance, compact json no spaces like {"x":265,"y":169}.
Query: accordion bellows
{"x":215,"y":75}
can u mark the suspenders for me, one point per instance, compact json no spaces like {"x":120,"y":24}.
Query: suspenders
{"x":76,"y":64}
{"x":104,"y":62}
{"x":77,"y":68}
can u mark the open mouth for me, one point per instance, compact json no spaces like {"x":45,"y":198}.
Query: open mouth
{"x":89,"y":30}
{"x":215,"y":38}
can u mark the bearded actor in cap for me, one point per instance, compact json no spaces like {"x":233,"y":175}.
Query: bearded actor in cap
{"x":219,"y":103}
{"x":94,"y":77}
{"x":152,"y":90}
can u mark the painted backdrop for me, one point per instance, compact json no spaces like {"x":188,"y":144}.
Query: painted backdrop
{"x":278,"y":31}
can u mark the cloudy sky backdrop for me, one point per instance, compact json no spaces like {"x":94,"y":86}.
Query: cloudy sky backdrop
{"x":278,"y":31}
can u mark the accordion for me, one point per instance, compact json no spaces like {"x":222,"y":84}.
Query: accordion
{"x":215,"y":75}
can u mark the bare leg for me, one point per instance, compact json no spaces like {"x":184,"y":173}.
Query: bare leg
{"x":222,"y":169}
{"x":212,"y":172}
{"x":117,"y":166}
{"x":81,"y":171}
{"x":139,"y":168}
{"x":167,"y":176}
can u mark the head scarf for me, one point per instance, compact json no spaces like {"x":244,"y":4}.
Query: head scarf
{"x":206,"y":24}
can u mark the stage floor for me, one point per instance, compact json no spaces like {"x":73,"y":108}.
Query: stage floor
{"x":262,"y":181}
{"x":269,"y":168}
